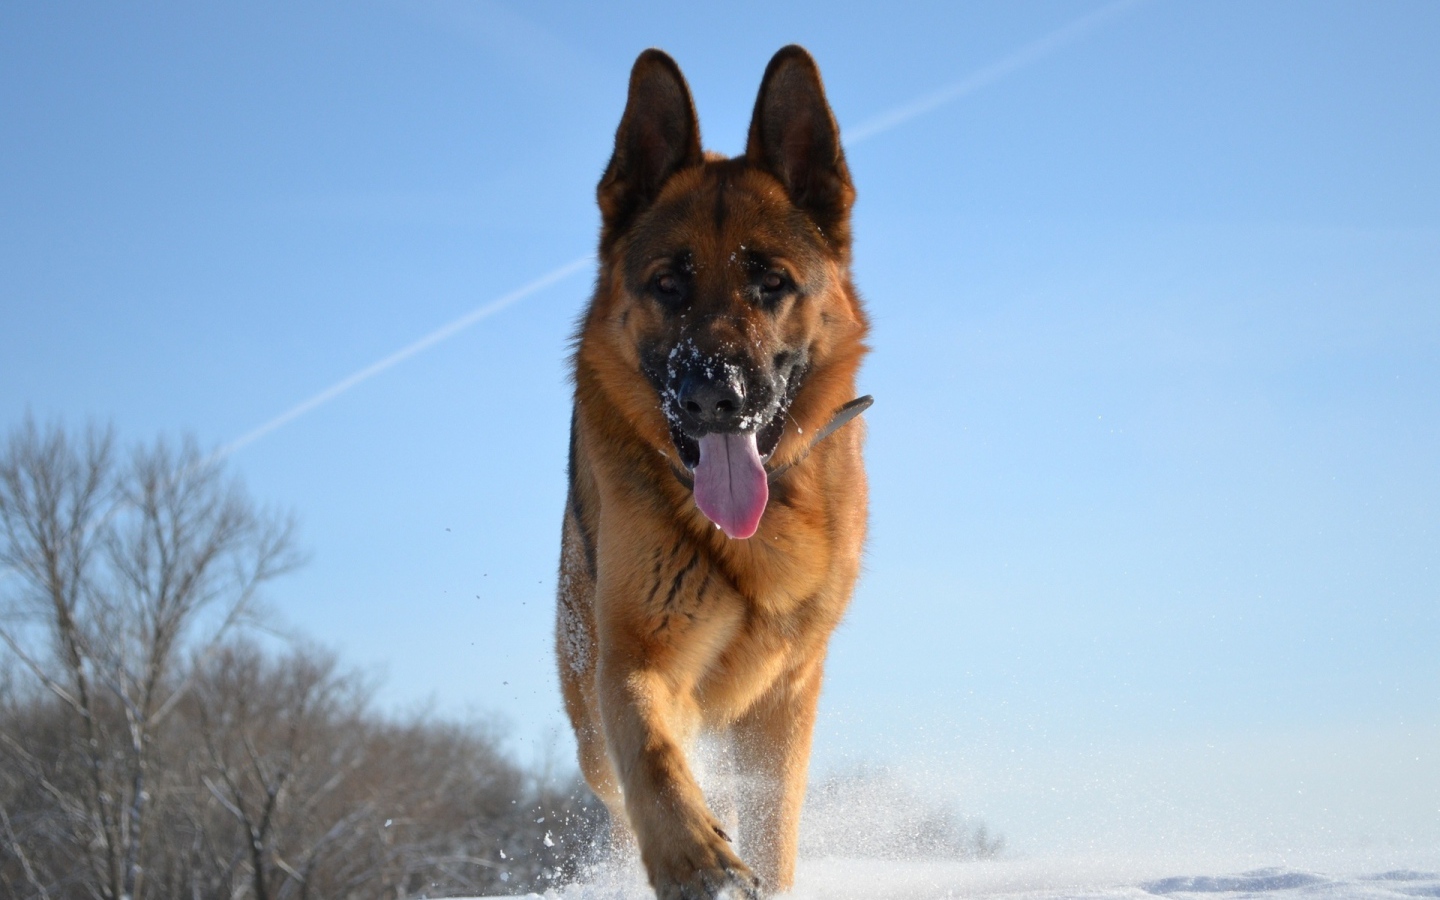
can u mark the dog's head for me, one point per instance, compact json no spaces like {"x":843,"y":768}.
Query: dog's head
{"x":725,"y":304}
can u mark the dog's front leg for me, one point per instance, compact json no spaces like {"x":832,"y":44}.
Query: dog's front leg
{"x":772,"y":745}
{"x":647,"y":718}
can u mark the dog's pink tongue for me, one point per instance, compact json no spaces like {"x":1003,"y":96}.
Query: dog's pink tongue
{"x":730,"y":484}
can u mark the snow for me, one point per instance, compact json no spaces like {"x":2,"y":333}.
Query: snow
{"x":1277,"y":826}
{"x":1071,"y":879}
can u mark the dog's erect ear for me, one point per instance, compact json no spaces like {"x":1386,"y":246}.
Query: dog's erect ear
{"x":793,"y":136}
{"x":658,"y":136}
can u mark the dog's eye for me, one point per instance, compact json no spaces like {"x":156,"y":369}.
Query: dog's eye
{"x":666,"y":285}
{"x":773,"y":283}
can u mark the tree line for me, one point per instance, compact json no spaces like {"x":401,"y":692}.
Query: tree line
{"x":151,"y":747}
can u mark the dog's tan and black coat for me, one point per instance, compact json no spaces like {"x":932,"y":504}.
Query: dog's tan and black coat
{"x":723,"y":317}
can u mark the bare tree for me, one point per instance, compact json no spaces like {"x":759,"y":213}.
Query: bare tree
{"x":282,"y":739}
{"x":331,"y":799}
{"x":148,"y":749}
{"x":116,"y":568}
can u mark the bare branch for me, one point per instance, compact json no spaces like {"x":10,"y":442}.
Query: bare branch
{"x":17,"y":848}
{"x":39,"y":672}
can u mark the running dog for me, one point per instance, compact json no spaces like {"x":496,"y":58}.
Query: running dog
{"x":717,"y":499}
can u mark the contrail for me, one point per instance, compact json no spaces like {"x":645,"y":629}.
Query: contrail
{"x":1025,"y":56}
{"x":443,"y":333}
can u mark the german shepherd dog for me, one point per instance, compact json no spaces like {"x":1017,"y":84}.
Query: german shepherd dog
{"x":716,"y":509}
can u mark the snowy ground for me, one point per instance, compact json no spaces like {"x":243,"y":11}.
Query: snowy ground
{"x":1278,"y":824}
{"x":837,"y":879}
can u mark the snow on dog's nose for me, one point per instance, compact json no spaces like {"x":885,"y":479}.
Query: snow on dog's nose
{"x":714,"y":403}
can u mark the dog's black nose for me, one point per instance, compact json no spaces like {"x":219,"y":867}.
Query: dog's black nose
{"x":714,"y":403}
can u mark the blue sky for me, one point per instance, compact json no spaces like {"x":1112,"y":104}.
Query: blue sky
{"x":1155,"y":457}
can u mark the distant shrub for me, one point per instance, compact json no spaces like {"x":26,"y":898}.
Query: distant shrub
{"x":274,"y":778}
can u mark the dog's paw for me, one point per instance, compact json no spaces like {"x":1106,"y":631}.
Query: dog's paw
{"x":709,"y":871}
{"x":713,"y":884}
